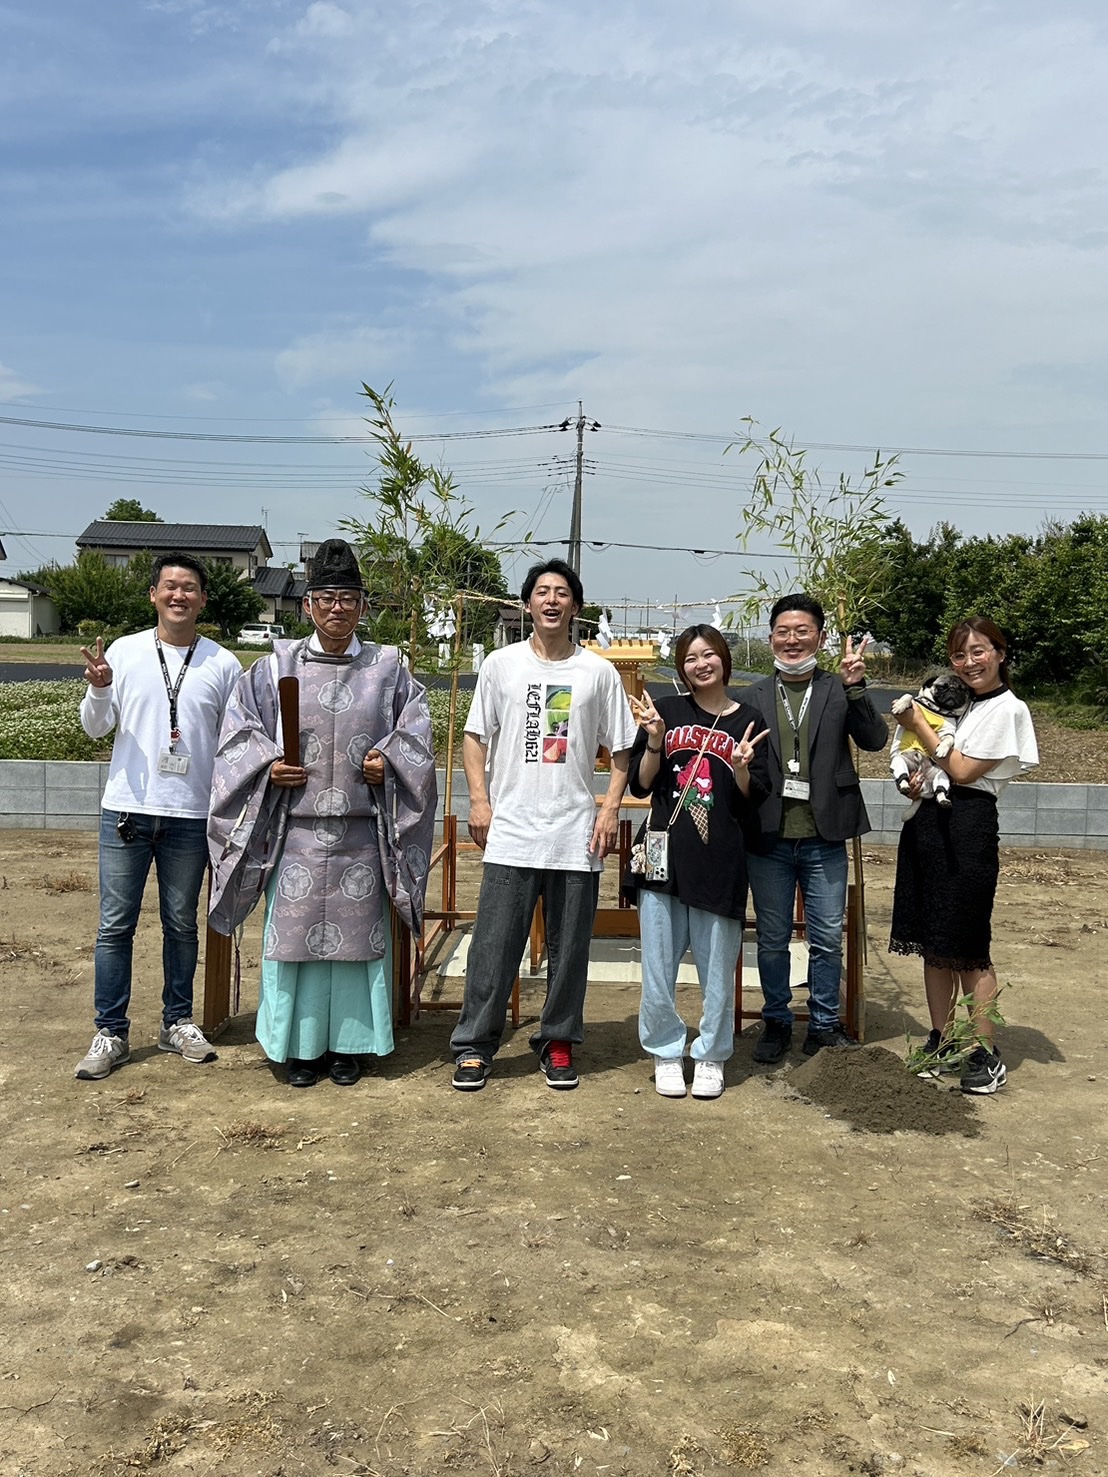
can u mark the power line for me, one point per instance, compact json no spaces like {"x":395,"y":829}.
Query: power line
{"x":723,"y":438}
{"x":868,"y":448}
{"x":306,"y":420}
{"x":227,"y":436}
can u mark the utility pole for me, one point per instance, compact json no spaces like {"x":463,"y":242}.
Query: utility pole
{"x":575,"y":517}
{"x":581,"y":425}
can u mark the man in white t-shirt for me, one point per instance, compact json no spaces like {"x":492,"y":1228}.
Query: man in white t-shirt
{"x":542,"y":709}
{"x":164,"y":692}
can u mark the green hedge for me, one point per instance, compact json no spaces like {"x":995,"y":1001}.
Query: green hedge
{"x":41,"y":720}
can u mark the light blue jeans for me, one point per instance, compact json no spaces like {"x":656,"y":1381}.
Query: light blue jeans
{"x":667,"y":927}
{"x":178,"y":848}
{"x":819,"y":868}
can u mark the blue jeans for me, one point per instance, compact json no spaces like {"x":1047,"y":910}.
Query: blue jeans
{"x":179,"y":850}
{"x":667,"y":927}
{"x":820,"y":870}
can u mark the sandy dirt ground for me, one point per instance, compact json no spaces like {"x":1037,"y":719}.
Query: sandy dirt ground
{"x":833,"y":1269}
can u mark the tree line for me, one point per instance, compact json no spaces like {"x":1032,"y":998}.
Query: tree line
{"x":93,"y":595}
{"x":1048,"y":592}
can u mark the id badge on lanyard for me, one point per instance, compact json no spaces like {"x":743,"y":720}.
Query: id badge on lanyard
{"x":794,"y":788}
{"x":169,"y":761}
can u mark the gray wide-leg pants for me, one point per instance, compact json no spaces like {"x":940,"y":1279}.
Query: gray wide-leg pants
{"x":504,"y":912}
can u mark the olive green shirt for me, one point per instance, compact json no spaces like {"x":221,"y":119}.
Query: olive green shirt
{"x":797,"y":820}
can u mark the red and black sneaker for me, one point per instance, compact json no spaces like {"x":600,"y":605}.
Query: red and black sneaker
{"x":556,"y":1063}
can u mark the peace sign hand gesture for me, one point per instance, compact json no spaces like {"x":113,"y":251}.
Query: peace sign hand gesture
{"x":97,"y":671}
{"x":743,"y":752}
{"x":647,"y":716}
{"x":852,"y":668}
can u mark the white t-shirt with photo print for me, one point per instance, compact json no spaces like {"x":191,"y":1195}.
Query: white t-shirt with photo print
{"x":543,"y":723}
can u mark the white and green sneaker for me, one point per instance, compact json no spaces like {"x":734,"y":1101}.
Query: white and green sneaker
{"x":105,"y":1054}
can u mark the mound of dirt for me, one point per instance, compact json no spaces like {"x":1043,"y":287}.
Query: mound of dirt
{"x":870,"y":1089}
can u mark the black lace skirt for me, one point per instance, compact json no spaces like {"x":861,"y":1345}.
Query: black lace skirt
{"x":946,"y":870}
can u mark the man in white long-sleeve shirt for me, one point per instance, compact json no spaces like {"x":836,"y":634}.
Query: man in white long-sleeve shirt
{"x":164,"y":691}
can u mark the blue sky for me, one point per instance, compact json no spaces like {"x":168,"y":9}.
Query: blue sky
{"x":871,"y":225}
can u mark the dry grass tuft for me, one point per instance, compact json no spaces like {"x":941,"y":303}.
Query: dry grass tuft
{"x":132,"y":1096}
{"x":961,"y":1447}
{"x":745,"y":1447}
{"x":688,"y":1457}
{"x":255,"y":1432}
{"x":13,"y":950}
{"x":1038,"y":1238}
{"x":169,"y":1436}
{"x":250,"y":1134}
{"x":1035,"y":1442}
{"x":65,"y":882}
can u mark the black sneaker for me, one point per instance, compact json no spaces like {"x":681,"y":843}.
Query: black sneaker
{"x":556,"y":1063}
{"x":833,"y":1036}
{"x":774,"y":1042}
{"x":938,"y":1056}
{"x":983,"y":1072}
{"x":470,"y":1073}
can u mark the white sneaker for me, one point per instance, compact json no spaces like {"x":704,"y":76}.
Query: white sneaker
{"x":187,"y":1040}
{"x":707,"y":1079}
{"x":669,"y":1076}
{"x":105,"y":1054}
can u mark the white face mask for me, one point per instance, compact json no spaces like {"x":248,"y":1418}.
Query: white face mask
{"x":796,"y":669}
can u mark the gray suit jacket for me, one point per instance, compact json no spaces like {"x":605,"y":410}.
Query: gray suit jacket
{"x":833,"y":718}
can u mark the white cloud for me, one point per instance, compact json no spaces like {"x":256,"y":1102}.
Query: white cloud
{"x":208,"y":393}
{"x":321,"y":21}
{"x":354,"y":354}
{"x":14,"y":387}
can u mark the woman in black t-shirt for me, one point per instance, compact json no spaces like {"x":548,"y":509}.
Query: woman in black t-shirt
{"x":697,"y":757}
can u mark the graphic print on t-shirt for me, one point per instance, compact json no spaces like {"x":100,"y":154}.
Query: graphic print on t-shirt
{"x":546,"y":725}
{"x":555,"y":741}
{"x":699,"y":800}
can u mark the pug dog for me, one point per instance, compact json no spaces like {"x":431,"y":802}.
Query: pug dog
{"x":943,"y":698}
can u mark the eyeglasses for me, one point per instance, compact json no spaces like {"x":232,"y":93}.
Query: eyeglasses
{"x":328,"y":599}
{"x":960,"y":658}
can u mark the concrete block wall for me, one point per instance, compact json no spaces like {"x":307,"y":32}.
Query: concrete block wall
{"x":55,"y":795}
{"x":1032,"y":814}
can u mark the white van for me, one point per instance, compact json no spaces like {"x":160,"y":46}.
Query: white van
{"x":262,"y":633}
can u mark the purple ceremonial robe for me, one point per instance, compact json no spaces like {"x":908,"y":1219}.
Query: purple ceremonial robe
{"x":336,"y":849}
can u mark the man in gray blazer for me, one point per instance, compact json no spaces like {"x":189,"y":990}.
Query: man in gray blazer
{"x":815,"y":805}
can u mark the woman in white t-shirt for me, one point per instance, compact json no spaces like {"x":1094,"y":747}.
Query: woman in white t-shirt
{"x":949,"y":859}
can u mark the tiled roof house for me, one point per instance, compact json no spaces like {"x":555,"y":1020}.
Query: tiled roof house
{"x":243,"y":546}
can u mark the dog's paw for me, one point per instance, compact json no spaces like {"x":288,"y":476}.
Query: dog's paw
{"x":945,"y":746}
{"x":902,"y":704}
{"x":942,"y":797}
{"x":903,"y":784}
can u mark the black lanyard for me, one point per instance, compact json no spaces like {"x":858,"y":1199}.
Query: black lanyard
{"x":172,"y":689}
{"x":796,"y":721}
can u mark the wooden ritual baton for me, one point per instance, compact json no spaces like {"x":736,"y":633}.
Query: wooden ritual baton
{"x":288,"y":694}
